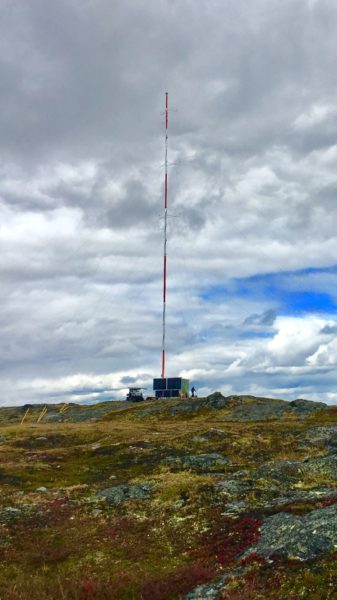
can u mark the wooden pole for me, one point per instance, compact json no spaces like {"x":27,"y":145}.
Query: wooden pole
{"x":42,"y":414}
{"x":24,"y":416}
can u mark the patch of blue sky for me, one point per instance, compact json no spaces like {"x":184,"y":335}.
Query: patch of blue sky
{"x":280,"y":290}
{"x":308,"y":302}
{"x":214,"y":293}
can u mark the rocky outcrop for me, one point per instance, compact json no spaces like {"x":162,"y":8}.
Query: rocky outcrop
{"x":263,"y":409}
{"x":210,"y":591}
{"x":296,"y":537}
{"x":280,"y":483}
{"x":214,"y":401}
{"x":121,"y":493}
{"x":243,"y":496}
{"x":304,"y":407}
{"x":323,"y":436}
{"x":282,"y":471}
{"x":323,"y":465}
{"x":198,"y":462}
{"x":237,"y":408}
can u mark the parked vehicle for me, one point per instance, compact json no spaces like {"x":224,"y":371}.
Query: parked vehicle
{"x":135,"y":395}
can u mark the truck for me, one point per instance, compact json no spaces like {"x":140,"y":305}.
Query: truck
{"x":135,"y":395}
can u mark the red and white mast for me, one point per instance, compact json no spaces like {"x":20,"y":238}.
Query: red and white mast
{"x":165,"y":240}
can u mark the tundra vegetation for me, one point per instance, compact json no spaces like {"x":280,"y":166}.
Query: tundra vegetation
{"x":231,"y":498}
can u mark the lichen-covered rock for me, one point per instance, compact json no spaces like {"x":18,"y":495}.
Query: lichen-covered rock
{"x":217,"y":400}
{"x":213,"y":590}
{"x":215,"y":433}
{"x":318,"y":494}
{"x":321,"y":436}
{"x":304,"y":407}
{"x":295,"y":537}
{"x":210,"y":591}
{"x":241,"y":495}
{"x":264,"y":409}
{"x":282,"y":471}
{"x":235,"y":508}
{"x":241,"y":408}
{"x":121,"y":493}
{"x":322,"y":432}
{"x":10,"y":514}
{"x":323,"y":465}
{"x":198,"y":462}
{"x":257,"y":409}
{"x":234,"y":487}
{"x":292,"y":471}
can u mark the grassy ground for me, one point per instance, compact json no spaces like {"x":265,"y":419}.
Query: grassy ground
{"x":58,"y":540}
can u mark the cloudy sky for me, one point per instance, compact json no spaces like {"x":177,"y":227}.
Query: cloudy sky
{"x":252,"y":287}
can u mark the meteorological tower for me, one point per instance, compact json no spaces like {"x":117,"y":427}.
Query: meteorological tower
{"x":167,"y":387}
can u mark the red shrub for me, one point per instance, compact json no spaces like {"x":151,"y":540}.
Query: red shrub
{"x":224,"y":546}
{"x":57,"y":503}
{"x":178,"y":583}
{"x":128,"y":536}
{"x":251,"y":579}
{"x":327,"y":502}
{"x":127,"y":528}
{"x":89,"y":589}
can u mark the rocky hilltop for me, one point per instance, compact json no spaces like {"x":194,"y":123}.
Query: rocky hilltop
{"x":218,"y":497}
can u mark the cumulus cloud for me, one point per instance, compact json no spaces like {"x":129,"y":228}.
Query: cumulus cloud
{"x":252,"y":189}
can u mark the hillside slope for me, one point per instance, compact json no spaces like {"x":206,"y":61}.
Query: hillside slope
{"x":216,"y":497}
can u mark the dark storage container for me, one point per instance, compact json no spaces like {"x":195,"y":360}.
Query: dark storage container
{"x":178,"y":383}
{"x":174,"y":383}
{"x":159,"y":384}
{"x":172,"y":387}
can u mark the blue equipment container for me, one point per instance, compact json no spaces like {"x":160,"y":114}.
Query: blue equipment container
{"x":159,"y":384}
{"x":171,"y":387}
